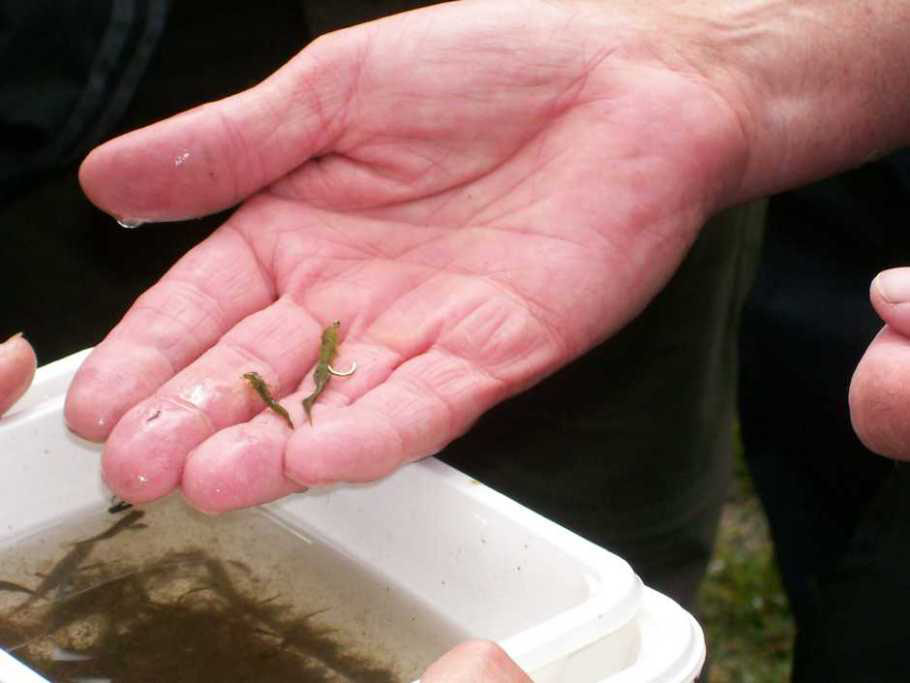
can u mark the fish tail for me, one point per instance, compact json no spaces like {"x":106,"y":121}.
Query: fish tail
{"x":280,"y":410}
{"x":308,"y":407}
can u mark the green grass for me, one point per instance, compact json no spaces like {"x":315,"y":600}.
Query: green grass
{"x":742,"y":606}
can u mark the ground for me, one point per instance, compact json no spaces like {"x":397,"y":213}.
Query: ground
{"x":742,"y":606}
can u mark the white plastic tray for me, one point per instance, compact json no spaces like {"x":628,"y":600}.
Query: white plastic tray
{"x":565,"y":609}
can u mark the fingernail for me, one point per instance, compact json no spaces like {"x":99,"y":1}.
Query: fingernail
{"x":893,"y":285}
{"x":18,"y":335}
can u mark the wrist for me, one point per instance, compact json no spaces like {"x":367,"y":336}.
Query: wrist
{"x":816,"y":86}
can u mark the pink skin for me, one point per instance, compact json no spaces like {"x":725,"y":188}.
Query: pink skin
{"x":519,"y":196}
{"x":880,"y":390}
{"x":17,"y":367}
{"x":475,"y":661}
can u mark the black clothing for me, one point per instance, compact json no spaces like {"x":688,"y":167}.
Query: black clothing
{"x":838,"y":513}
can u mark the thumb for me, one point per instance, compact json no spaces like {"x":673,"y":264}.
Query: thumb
{"x":880,"y":388}
{"x":890,"y":296}
{"x":212,"y":157}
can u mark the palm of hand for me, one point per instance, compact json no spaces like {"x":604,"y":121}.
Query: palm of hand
{"x":478,"y":197}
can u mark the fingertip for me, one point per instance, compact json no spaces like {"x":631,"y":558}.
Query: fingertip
{"x":890,"y":296}
{"x":163,"y":172}
{"x":110,"y":177}
{"x":211,"y":157}
{"x":138,"y":481}
{"x":196,"y":163}
{"x":84,"y":418}
{"x":17,"y":369}
{"x":108,"y":384}
{"x":144,"y":456}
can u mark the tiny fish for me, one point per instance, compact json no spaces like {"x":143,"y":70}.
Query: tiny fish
{"x":63,"y":572}
{"x":324,"y":370}
{"x":261,"y":388}
{"x":121,"y":524}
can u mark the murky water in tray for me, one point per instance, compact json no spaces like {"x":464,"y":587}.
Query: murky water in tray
{"x":174,"y":596}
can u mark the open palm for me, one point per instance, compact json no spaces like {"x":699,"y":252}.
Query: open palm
{"x":479,"y":192}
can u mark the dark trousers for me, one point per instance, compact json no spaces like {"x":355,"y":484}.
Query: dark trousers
{"x":839,"y":515}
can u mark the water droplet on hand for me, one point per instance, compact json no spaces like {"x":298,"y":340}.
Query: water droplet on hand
{"x":129,"y":223}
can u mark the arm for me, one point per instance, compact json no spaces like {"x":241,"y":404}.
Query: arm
{"x":818,"y":86}
{"x":485,"y":190}
{"x":824,"y":87}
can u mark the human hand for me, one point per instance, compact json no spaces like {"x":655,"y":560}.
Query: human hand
{"x":880,"y":389}
{"x":17,"y":368}
{"x":479,"y":191}
{"x":475,"y":662}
